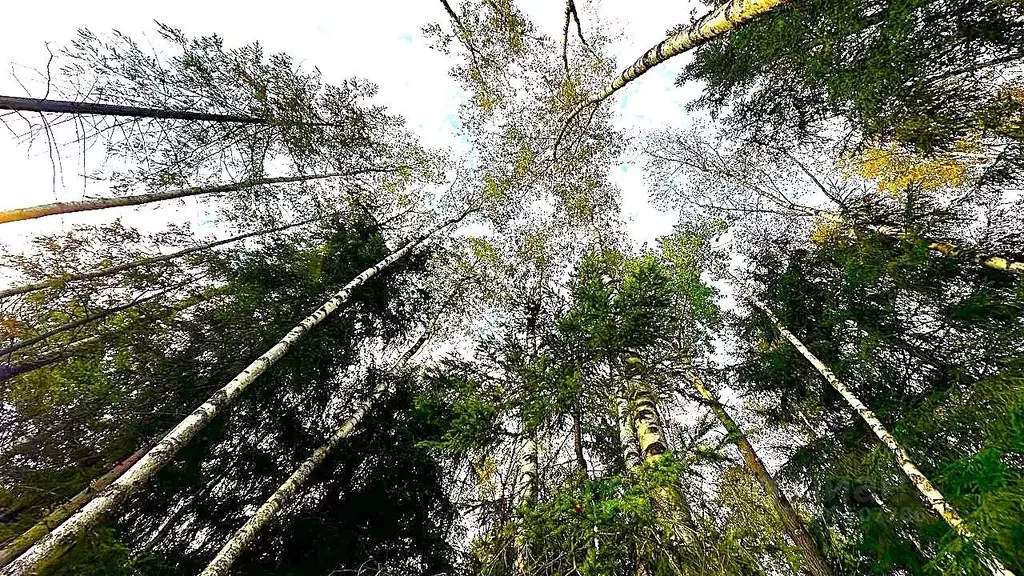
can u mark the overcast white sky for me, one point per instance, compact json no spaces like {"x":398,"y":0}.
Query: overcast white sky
{"x":380,"y":40}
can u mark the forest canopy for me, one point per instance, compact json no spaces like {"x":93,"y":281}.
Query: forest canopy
{"x":275,"y":329}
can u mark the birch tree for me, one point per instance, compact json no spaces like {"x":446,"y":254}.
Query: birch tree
{"x":929,"y":493}
{"x":164,"y":451}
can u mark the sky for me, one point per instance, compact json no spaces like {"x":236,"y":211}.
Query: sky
{"x":381,"y":41}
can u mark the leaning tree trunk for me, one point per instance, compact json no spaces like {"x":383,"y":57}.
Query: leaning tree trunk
{"x":233,"y":548}
{"x":158,"y":457}
{"x":813,"y":558}
{"x":41,"y":105}
{"x":60,"y":281}
{"x":61,"y":513}
{"x":18,"y":214}
{"x":94,"y":108}
{"x":928,"y":491}
{"x":20,"y":344}
{"x":718,"y":22}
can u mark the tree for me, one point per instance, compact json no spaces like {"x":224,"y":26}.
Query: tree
{"x":164,"y":451}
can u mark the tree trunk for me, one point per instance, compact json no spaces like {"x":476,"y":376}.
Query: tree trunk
{"x":52,"y":282}
{"x":8,"y":371}
{"x":84,"y":320}
{"x":157,"y":457}
{"x":18,"y":214}
{"x":234,"y":547}
{"x":647,"y":423}
{"x":577,"y":442}
{"x":528,"y":472}
{"x":928,"y":491}
{"x":57,"y":516}
{"x":240,"y":540}
{"x":83,"y":108}
{"x":718,"y":22}
{"x":814,"y":561}
{"x":627,"y":436}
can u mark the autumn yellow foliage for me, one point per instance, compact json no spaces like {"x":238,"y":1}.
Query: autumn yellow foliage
{"x":895,"y":169}
{"x":825,"y":231}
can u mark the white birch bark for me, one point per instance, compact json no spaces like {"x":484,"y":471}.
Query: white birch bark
{"x":716,"y":23}
{"x":18,"y":214}
{"x":647,"y":424}
{"x":147,"y":466}
{"x":528,"y":473}
{"x":240,"y":540}
{"x":627,"y":437}
{"x":931,"y":495}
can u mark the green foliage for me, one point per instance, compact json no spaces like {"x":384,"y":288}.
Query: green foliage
{"x":917,"y":71}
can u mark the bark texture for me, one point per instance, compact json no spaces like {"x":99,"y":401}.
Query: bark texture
{"x":69,"y":107}
{"x":718,"y":22}
{"x":931,"y":495}
{"x":58,"y":515}
{"x":156,"y":458}
{"x":814,"y":561}
{"x":627,"y":436}
{"x":647,"y":423}
{"x":18,"y":214}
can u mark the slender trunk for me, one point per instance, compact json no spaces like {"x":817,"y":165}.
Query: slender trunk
{"x":18,"y":214}
{"x":577,"y":442}
{"x":669,"y":502}
{"x":233,"y":548}
{"x":157,"y":457}
{"x":53,"y":282}
{"x":565,"y":38}
{"x":240,"y":540}
{"x":8,"y":371}
{"x":83,"y":108}
{"x":41,"y":105}
{"x":528,"y":472}
{"x":57,"y":516}
{"x":813,"y":558}
{"x":928,"y":491}
{"x":718,"y":22}
{"x":84,"y":320}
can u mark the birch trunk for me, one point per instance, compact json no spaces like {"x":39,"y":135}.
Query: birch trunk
{"x":58,"y":515}
{"x":647,"y":423}
{"x":669,"y":501}
{"x":627,"y":436}
{"x":240,"y":540}
{"x":814,"y":561}
{"x":528,"y":472}
{"x":18,"y":214}
{"x":718,"y":22}
{"x":157,"y":457}
{"x":53,"y":282}
{"x":931,"y":495}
